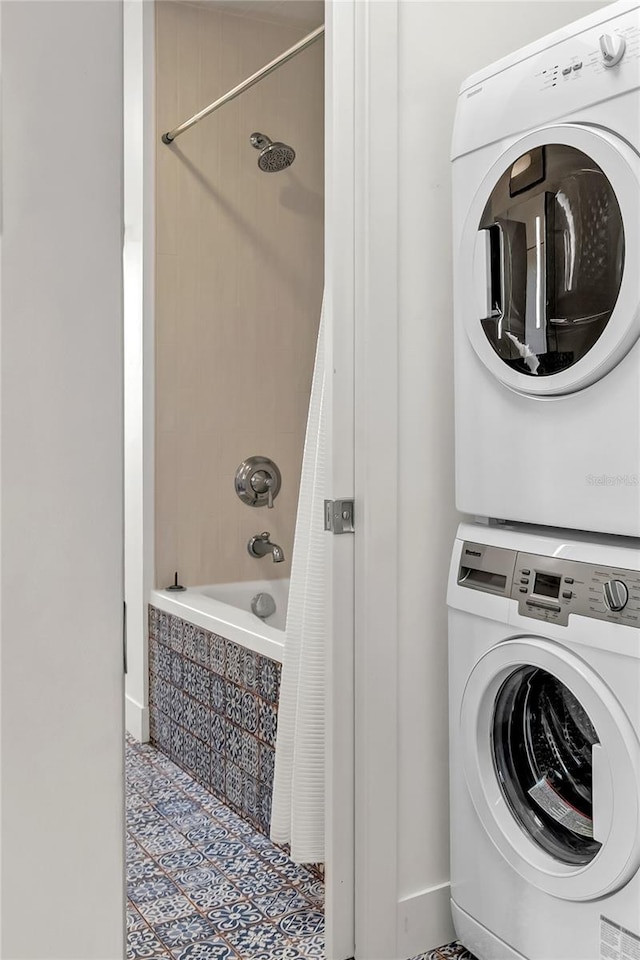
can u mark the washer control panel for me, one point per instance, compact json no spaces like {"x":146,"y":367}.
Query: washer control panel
{"x":551,"y":588}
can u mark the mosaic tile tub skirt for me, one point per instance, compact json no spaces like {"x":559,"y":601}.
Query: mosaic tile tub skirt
{"x":214,"y":712}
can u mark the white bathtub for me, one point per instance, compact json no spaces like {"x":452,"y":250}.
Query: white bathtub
{"x":225,"y":609}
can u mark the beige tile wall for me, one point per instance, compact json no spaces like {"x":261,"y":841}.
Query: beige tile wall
{"x":238,"y":287}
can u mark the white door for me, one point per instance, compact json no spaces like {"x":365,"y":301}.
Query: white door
{"x":550,"y":248}
{"x":553,"y":766}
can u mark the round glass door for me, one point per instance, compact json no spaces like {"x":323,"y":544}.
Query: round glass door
{"x":542,"y":744}
{"x":553,"y":246}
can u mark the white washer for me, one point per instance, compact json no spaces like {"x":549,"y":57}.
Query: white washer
{"x":546,"y":187}
{"x":544,"y":679}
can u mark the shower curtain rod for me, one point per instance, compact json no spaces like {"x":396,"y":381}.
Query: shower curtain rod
{"x":249,"y":82}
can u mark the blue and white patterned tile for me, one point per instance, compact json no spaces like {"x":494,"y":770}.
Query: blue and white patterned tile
{"x":210,"y":898}
{"x":152,"y":622}
{"x":144,"y":943}
{"x":233,"y":665}
{"x":177,"y":743}
{"x":250,"y":758}
{"x":284,"y":952}
{"x":311,"y":948}
{"x":233,"y":745}
{"x":234,"y":915}
{"x":165,"y":909}
{"x":181,"y":859}
{"x":229,"y":848}
{"x":207,"y":833}
{"x":267,"y":764}
{"x":164,"y":630}
{"x":218,"y":772}
{"x":154,"y":889}
{"x":154,"y":655}
{"x":202,"y":647}
{"x":268,"y":723}
{"x":217,"y":655}
{"x":177,"y":662}
{"x":134,"y":851}
{"x":178,"y":699}
{"x":202,"y":680}
{"x":306,"y":922}
{"x":277,"y":905}
{"x":141,"y":870}
{"x":259,"y":937}
{"x":190,"y":929}
{"x":164,"y":662}
{"x":205,"y":875}
{"x":269,"y":679}
{"x":431,"y":955}
{"x":233,"y":702}
{"x":250,"y":797}
{"x":165,"y":840}
{"x":189,"y":640}
{"x":234,"y":785}
{"x":177,"y":634}
{"x":218,"y":733}
{"x":134,"y":920}
{"x":250,"y":712}
{"x":259,"y":882}
{"x":265,"y":796}
{"x":178,"y":807}
{"x":203,"y":722}
{"x":218,"y":693}
{"x":206,"y":950}
{"x":251,"y":670}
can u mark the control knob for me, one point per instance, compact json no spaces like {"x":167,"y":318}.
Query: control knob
{"x":613,"y":47}
{"x":615,"y":595}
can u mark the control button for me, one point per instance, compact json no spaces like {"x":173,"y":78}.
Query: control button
{"x":523,"y":590}
{"x":613,"y":47}
{"x":524,"y":580}
{"x":566,"y":71}
{"x":578,"y":66}
{"x":567,"y":594}
{"x":615,"y":595}
{"x":525,"y":573}
{"x":568,"y":579}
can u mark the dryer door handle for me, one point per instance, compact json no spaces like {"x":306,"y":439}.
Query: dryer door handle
{"x":602,"y":793}
{"x":489,"y":273}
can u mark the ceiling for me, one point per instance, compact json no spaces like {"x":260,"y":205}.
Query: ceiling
{"x":304,"y":13}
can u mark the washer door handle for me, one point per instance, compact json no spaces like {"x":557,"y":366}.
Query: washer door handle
{"x":602,"y":793}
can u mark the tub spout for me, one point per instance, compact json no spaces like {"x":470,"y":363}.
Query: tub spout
{"x":260,"y":546}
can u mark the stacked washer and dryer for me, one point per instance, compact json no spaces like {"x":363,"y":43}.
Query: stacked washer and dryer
{"x":544,"y":587}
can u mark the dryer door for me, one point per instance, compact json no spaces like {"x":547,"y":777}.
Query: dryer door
{"x":550,"y":251}
{"x":549,"y":754}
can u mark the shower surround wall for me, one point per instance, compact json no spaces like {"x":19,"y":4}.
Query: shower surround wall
{"x":239,"y":276}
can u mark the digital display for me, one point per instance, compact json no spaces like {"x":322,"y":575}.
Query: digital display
{"x":546,"y":585}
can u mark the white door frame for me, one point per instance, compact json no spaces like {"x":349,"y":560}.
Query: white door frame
{"x":362,"y":350}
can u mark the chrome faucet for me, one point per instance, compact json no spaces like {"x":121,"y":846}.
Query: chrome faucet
{"x":260,"y":546}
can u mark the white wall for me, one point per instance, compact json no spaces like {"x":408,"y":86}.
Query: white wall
{"x":139,"y":296}
{"x":60,"y":483}
{"x":438,"y":44}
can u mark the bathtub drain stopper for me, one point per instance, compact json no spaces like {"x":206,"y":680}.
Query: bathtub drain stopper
{"x":175,"y":585}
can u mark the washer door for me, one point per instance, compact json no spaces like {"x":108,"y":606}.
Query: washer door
{"x":547,"y":300}
{"x":549,"y":755}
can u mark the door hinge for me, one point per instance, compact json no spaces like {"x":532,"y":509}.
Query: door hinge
{"x":338,"y":516}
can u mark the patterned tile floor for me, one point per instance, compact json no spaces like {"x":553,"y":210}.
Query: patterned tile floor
{"x":452,"y":951}
{"x":202,"y":883}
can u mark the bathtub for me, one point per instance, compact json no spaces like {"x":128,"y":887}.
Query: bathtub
{"x":225,"y":609}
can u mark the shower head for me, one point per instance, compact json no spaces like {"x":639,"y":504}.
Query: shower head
{"x":273,"y":156}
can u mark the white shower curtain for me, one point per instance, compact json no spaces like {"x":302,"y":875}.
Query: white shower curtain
{"x":298,"y":792}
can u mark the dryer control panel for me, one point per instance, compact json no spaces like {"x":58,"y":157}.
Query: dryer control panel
{"x":552,"y":588}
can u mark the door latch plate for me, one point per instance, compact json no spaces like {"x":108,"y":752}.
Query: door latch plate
{"x":338,"y":516}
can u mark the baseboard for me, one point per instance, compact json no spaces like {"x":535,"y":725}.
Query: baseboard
{"x":136,"y":719}
{"x":424,"y":921}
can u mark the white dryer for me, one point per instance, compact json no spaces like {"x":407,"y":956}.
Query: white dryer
{"x":546,"y":188}
{"x":544,"y":661}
